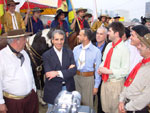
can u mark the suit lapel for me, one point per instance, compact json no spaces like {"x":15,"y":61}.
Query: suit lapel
{"x":55,"y":57}
{"x":64,"y":58}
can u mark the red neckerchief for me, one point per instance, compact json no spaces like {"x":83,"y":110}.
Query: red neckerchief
{"x":60,"y":22}
{"x":133,"y":73}
{"x":108,"y":59}
{"x":81,"y":23}
{"x":35,"y":19}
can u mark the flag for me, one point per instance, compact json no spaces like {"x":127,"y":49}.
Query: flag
{"x":121,"y":19}
{"x":1,"y":13}
{"x":70,"y":10}
{"x":62,"y":4}
{"x":1,"y":7}
{"x":66,"y":5}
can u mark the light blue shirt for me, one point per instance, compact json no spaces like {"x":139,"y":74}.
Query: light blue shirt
{"x":92,"y":57}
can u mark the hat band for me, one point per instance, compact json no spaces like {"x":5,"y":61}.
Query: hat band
{"x":16,"y":36}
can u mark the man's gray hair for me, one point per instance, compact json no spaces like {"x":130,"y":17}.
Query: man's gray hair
{"x":61,"y":32}
{"x":9,"y":41}
{"x":104,"y":28}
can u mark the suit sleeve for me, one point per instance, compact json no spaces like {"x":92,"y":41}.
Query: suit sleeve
{"x":46,"y":62}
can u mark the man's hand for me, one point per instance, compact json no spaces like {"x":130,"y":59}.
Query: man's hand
{"x":51,"y":74}
{"x":121,"y":108}
{"x":71,"y":66}
{"x":98,"y":71}
{"x":105,"y":70}
{"x":3,"y":108}
{"x":95,"y":90}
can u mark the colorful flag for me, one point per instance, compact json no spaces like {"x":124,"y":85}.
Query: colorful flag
{"x":1,"y":12}
{"x":1,"y":8}
{"x":66,"y":5}
{"x":70,"y":10}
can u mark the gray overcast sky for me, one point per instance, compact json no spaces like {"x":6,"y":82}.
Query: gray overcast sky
{"x":135,"y":7}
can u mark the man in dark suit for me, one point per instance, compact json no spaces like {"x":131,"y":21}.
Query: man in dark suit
{"x":59,"y":66}
{"x":101,"y":42}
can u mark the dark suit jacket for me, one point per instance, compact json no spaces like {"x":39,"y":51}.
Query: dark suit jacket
{"x":51,"y":63}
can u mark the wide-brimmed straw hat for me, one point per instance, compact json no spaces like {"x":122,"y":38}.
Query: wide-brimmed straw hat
{"x":88,"y":14}
{"x":81,"y":9}
{"x":12,"y":2}
{"x":36,"y":9}
{"x":15,"y":34}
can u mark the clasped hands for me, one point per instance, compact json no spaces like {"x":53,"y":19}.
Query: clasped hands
{"x":53,"y":74}
{"x":104,"y":70}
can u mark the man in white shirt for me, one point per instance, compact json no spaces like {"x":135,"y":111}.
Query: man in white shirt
{"x":114,"y":68}
{"x":17,"y":86}
{"x":59,"y":67}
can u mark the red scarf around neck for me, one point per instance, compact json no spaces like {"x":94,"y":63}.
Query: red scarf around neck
{"x":133,"y":73}
{"x":81,"y":22}
{"x":108,"y":60}
{"x":60,"y":23}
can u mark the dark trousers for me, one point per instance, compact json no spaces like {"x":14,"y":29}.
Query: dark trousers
{"x":144,"y":110}
{"x":27,"y":105}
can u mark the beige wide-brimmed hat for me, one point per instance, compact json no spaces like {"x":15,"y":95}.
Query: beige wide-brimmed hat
{"x":88,"y":14}
{"x":81,"y":9}
{"x":15,"y":34}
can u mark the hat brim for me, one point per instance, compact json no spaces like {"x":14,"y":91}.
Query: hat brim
{"x":41,"y":10}
{"x":57,"y":15}
{"x":85,"y":10}
{"x":17,"y":3}
{"x":16,"y":36}
{"x":116,"y":17}
{"x":89,"y":15}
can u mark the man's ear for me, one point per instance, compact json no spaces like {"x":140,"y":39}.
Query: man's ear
{"x":117,"y":34}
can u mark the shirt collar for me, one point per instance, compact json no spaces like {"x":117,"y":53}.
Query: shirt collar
{"x":57,"y":50}
{"x":87,"y":46}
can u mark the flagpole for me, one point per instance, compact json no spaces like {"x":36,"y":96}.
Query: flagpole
{"x":96,"y":9}
{"x":75,"y":14}
{"x":5,"y":6}
{"x":29,"y":17}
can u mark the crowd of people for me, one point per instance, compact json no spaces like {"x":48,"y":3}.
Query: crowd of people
{"x":113,"y":64}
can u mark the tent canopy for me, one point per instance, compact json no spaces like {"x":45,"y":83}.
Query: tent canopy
{"x":49,"y":6}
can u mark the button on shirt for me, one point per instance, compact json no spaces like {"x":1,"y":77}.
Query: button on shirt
{"x":15,"y":79}
{"x":119,"y":60}
{"x":92,"y":57}
{"x":139,"y":90}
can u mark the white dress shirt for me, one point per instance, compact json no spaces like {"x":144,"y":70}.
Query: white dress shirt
{"x":14,"y":78}
{"x":14,"y":21}
{"x":135,"y":56}
{"x":59,"y":54}
{"x":120,"y":60}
